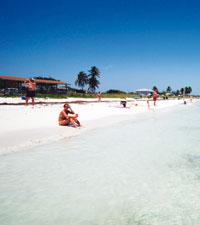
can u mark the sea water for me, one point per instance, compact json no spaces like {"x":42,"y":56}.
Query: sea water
{"x":143,"y":171}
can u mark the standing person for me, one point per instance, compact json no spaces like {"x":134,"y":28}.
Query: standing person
{"x":99,"y":95}
{"x":148,"y":99}
{"x":155,"y":96}
{"x":68,"y":117}
{"x":30,"y":90}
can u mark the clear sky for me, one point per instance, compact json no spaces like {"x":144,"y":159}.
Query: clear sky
{"x":135,"y":44}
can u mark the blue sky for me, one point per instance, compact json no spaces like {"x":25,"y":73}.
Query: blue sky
{"x":135,"y":44}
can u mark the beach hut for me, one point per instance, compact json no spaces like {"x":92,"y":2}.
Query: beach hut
{"x":12,"y":84}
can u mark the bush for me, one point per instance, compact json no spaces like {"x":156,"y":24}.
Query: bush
{"x":113,"y":91}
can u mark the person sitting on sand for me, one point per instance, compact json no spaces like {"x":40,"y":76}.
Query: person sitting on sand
{"x":123,"y":102}
{"x":68,"y":117}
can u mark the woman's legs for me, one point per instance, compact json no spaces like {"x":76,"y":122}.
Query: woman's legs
{"x":27,"y":98}
{"x":73,"y":122}
{"x":63,"y":122}
{"x":33,"y":100}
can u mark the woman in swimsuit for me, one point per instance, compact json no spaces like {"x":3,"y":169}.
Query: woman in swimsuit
{"x":68,"y":117}
{"x":155,"y":96}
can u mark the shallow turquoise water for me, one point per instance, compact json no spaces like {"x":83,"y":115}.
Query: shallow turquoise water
{"x":145,"y":170}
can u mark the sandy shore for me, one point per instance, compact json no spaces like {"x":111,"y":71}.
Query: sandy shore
{"x":25,"y":126}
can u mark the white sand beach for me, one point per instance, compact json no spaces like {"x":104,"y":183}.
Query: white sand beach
{"x":26,"y":126}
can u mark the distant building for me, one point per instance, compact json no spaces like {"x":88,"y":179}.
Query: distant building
{"x":11,"y":84}
{"x":144,"y":91}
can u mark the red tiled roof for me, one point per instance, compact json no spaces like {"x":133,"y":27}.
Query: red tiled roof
{"x":39,"y":81}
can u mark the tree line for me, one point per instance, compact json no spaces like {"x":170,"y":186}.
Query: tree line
{"x":183,"y":91}
{"x":90,"y":79}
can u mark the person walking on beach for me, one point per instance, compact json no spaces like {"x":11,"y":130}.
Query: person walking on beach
{"x":155,"y":96}
{"x":99,"y":95}
{"x":30,"y":90}
{"x":68,"y":117}
{"x":148,"y":100}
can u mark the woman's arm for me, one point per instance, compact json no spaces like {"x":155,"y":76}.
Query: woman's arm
{"x":65,"y":114}
{"x":71,"y":111}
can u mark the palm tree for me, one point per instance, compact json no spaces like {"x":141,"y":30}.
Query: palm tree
{"x":177,"y":92}
{"x":189,"y":90}
{"x":155,"y":88}
{"x":182,"y":90}
{"x":186,"y":90}
{"x":82,"y":79}
{"x":169,"y":89}
{"x":94,"y":73}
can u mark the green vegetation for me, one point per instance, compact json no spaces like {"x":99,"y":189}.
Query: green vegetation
{"x":45,"y":78}
{"x":169,"y":92}
{"x":186,"y":90}
{"x":113,"y":91}
{"x":169,"y":89}
{"x":39,"y":95}
{"x":82,"y":80}
{"x":155,"y":89}
{"x":91,"y":79}
{"x":119,"y":95}
{"x":76,"y":95}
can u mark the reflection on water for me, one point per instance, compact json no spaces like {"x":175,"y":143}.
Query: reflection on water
{"x":142,"y":171}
